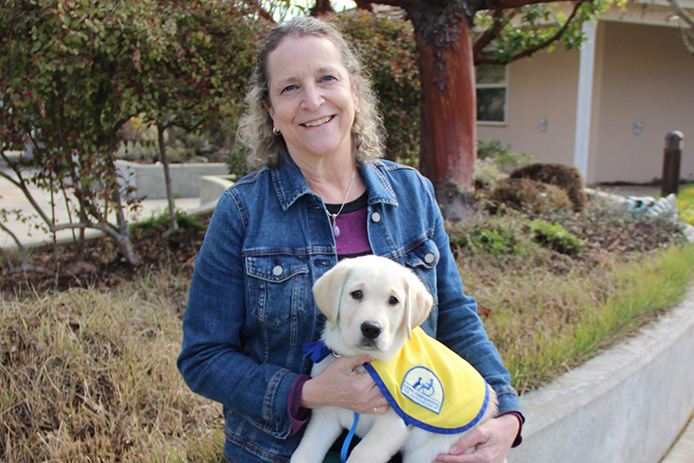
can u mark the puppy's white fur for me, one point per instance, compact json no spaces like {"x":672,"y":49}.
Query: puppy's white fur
{"x":387,"y":296}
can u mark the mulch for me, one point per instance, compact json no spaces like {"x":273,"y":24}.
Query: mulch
{"x":101,"y":265}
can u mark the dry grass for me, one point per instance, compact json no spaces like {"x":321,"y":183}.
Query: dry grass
{"x":90,"y":376}
{"x":545,"y":323}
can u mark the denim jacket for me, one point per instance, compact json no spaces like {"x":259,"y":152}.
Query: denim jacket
{"x":251,"y":309}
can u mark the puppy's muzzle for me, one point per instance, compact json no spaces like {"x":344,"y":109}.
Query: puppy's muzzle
{"x":371,"y":331}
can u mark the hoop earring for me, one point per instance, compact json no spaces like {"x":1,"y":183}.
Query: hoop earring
{"x":276,"y":131}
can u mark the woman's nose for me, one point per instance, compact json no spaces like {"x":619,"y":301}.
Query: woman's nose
{"x":313,"y":97}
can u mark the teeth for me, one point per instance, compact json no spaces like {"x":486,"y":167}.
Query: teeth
{"x":318,"y":122}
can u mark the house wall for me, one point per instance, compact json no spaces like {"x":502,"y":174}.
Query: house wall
{"x":545,"y":87}
{"x":643,"y":73}
{"x":647,"y":77}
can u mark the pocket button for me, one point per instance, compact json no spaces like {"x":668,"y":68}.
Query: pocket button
{"x":277,"y":270}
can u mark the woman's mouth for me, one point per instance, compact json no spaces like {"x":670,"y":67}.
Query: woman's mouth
{"x":317,"y":122}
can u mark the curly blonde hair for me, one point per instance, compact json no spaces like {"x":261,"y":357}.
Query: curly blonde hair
{"x":255,"y":126}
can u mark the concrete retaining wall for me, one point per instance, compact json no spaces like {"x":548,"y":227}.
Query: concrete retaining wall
{"x":627,"y":405}
{"x":148,"y":179}
{"x":212,"y":187}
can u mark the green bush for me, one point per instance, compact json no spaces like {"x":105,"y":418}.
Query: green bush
{"x":158,"y":223}
{"x":388,"y":49}
{"x":498,"y":237}
{"x":685,"y":204}
{"x":556,"y":237}
{"x":531,"y":196}
{"x":566,"y":177}
{"x":506,"y":160}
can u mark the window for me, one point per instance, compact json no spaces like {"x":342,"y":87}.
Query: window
{"x":492,"y":85}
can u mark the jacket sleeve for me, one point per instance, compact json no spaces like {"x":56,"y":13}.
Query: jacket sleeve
{"x":212,"y":360}
{"x":458,"y":324}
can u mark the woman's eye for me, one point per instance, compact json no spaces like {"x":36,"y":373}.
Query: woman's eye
{"x":289,"y":88}
{"x":357,"y":295}
{"x":393,"y":300}
{"x":328,"y":78}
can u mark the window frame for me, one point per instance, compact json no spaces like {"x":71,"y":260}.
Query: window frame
{"x":496,"y":85}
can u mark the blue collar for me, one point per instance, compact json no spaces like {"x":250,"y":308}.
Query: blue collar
{"x":316,"y":351}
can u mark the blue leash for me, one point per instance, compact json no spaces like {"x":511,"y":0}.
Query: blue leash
{"x":348,"y":439}
{"x":317,"y":351}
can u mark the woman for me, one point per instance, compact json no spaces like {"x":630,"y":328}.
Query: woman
{"x":320,"y":194}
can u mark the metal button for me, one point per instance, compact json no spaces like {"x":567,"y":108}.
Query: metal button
{"x":429,"y":258}
{"x":376,"y":217}
{"x":277,"y":270}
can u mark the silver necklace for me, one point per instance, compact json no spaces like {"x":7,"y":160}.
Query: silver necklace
{"x":333,"y":217}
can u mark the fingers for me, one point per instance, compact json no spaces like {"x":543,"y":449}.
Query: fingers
{"x":466,"y":449}
{"x":341,"y":384}
{"x":487,"y":443}
{"x":468,"y":442}
{"x":354,"y":362}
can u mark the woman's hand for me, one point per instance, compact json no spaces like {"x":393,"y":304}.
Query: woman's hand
{"x":487,"y":443}
{"x":341,"y":385}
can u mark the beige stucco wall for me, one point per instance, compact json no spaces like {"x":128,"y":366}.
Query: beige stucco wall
{"x":645,"y":75}
{"x":545,"y":87}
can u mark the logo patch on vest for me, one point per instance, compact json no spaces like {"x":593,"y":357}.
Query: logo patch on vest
{"x":424,"y":388}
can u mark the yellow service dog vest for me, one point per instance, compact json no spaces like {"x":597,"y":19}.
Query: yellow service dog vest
{"x":431,"y":387}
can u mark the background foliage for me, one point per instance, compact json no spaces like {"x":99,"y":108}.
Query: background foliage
{"x":73,"y":73}
{"x":387,"y":46}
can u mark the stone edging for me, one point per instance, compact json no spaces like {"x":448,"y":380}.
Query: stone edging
{"x":629,"y":404}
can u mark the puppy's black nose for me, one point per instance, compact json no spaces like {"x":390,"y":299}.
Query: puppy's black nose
{"x":370,"y":330}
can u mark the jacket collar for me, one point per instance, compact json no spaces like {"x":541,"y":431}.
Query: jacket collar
{"x":290,"y":184}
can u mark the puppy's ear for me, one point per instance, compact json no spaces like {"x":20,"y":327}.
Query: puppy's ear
{"x":419,"y":303}
{"x":327,"y":291}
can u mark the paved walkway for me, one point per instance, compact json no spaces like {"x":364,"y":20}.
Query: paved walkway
{"x":12,"y":198}
{"x":683,"y":450}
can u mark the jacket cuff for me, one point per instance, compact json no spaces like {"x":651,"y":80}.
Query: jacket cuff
{"x":298,"y":415}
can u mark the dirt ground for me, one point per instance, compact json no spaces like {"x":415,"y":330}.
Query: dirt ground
{"x":102,"y":266}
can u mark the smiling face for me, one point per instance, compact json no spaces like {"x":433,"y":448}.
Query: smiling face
{"x":311,"y":99}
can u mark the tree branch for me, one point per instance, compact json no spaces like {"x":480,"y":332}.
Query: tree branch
{"x":687,"y":26}
{"x":682,"y":14}
{"x":22,"y":250}
{"x":255,"y":6}
{"x":485,"y":38}
{"x":540,"y":46}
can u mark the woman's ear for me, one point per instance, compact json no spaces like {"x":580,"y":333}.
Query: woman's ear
{"x":270,"y":110}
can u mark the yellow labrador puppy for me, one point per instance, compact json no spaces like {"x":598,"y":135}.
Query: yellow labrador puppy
{"x":374,"y":306}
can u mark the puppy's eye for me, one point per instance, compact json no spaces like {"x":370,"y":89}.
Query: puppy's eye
{"x":357,"y":295}
{"x":393,"y":300}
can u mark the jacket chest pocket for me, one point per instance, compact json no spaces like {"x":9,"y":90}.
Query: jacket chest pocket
{"x":423,"y":259}
{"x":277,"y":287}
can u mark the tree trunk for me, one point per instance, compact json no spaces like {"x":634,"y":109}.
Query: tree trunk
{"x":448,"y":108}
{"x":173,"y":223}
